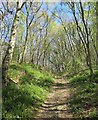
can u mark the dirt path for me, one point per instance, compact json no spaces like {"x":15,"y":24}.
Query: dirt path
{"x":56,"y":105}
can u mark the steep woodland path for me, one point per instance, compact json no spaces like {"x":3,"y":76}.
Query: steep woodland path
{"x":56,"y":105}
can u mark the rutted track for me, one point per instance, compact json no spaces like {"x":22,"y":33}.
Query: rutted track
{"x":56,"y":105}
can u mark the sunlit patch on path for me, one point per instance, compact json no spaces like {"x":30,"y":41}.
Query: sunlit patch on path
{"x":56,"y":105}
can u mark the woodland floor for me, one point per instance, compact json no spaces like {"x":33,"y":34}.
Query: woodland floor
{"x":56,"y":104}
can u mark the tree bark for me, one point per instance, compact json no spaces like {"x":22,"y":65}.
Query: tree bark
{"x":89,"y":62}
{"x":97,"y":33}
{"x":85,"y":39}
{"x":9,"y":53}
{"x":28,"y":23}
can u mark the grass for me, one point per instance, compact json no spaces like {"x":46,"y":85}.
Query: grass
{"x":84,"y":95}
{"x":26,"y":92}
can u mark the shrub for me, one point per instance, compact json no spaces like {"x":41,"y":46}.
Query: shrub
{"x":78,"y":78}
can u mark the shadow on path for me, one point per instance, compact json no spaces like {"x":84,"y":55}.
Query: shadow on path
{"x":56,"y":105}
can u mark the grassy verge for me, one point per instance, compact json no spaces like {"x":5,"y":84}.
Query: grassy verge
{"x":84,"y":95}
{"x":26,"y":92}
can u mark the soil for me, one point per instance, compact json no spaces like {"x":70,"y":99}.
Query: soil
{"x":56,"y":104}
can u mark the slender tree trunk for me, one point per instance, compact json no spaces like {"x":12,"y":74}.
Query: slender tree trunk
{"x":37,"y":57}
{"x":9,"y":53}
{"x":28,"y":23}
{"x":44,"y":55}
{"x":32,"y":58}
{"x":25,"y":48}
{"x":26,"y":41}
{"x":89,"y":63}
{"x":87,"y":44}
{"x":97,"y":33}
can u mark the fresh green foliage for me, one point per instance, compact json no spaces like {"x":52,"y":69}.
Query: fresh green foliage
{"x":83,"y":101}
{"x":63,"y":42}
{"x":81,"y":78}
{"x":27,"y":91}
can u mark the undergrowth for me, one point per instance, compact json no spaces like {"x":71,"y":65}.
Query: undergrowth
{"x":28,"y":88}
{"x":84,"y":95}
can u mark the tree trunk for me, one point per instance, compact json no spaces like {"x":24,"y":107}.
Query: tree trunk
{"x":25,"y":49}
{"x":9,"y":53}
{"x":86,"y":39}
{"x":89,"y":63}
{"x":44,"y":55}
{"x":97,"y":33}
{"x":26,"y":42}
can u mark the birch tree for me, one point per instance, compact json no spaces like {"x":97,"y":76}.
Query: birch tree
{"x":9,"y":53}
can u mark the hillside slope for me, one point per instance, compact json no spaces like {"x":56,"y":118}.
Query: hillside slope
{"x":28,"y":88}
